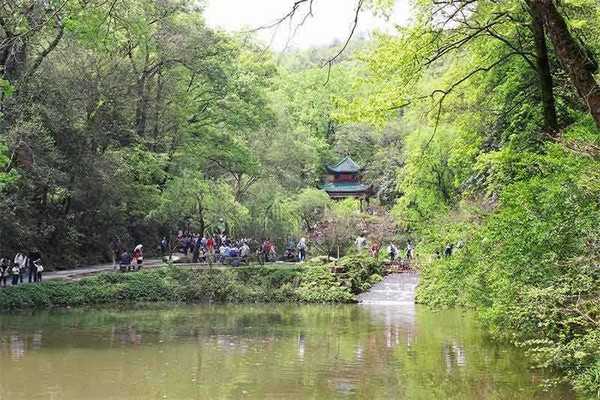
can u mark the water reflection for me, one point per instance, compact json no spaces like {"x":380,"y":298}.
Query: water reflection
{"x":454,"y":355}
{"x":370,"y":351}
{"x":301,"y":347}
{"x":17,"y":347}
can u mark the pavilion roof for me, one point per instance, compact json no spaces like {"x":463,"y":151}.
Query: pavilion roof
{"x":345,"y":187}
{"x":346,"y":165}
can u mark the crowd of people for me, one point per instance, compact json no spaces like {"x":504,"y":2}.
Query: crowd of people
{"x":393,"y":252}
{"x":202,"y":248}
{"x":222,"y":249}
{"x":21,"y":265}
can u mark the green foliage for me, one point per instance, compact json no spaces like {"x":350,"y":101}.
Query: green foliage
{"x":339,"y":225}
{"x":314,"y":284}
{"x":5,"y":178}
{"x":164,"y":124}
{"x":199,"y":203}
{"x":480,"y":172}
{"x":6,"y":88}
{"x":160,"y":116}
{"x":362,"y":271}
{"x":310,"y":205}
{"x":319,"y":285}
{"x":531,"y":265}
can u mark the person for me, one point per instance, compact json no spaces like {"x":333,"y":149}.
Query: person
{"x":301,"y":249}
{"x":289,"y":254}
{"x":15,"y":274}
{"x":221,"y":254}
{"x":273,"y":253}
{"x":138,"y":256}
{"x":23,"y":262}
{"x":202,"y":255}
{"x":163,"y":247}
{"x":448,"y":250}
{"x":210,"y":248}
{"x":33,"y":255}
{"x":115,"y":250}
{"x":360,"y":242}
{"x":266,"y":249}
{"x":124,"y":261}
{"x":409,"y":250}
{"x":375,"y":249}
{"x":4,"y":271}
{"x":18,"y":259}
{"x":244,"y":251}
{"x":39,"y":268}
{"x":196,"y":251}
{"x":392,"y":251}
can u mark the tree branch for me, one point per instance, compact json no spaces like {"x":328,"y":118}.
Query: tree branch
{"x":51,"y":46}
{"x":354,"y":25}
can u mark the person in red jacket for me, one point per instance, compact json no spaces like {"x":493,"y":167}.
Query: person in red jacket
{"x":210,"y":248}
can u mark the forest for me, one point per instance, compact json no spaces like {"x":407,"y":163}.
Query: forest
{"x":477,"y":123}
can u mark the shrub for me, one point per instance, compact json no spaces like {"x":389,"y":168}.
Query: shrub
{"x":251,"y":284}
{"x":319,"y":285}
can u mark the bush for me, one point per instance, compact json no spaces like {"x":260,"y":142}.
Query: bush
{"x":319,"y":285}
{"x":251,"y":284}
{"x":358,"y":270}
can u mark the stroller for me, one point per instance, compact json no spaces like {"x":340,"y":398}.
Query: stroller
{"x":124,"y":262}
{"x":289,"y":255}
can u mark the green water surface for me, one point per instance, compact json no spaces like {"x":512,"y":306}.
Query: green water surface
{"x":259,"y":352}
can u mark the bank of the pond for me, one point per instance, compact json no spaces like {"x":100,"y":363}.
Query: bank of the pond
{"x":304,"y":283}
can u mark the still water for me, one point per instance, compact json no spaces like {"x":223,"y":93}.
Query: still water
{"x":365,"y":351}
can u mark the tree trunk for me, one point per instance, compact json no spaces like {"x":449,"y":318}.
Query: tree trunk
{"x":201,"y":220}
{"x":543,"y":69}
{"x":575,"y":59}
{"x":157,"y":109}
{"x":13,"y":59}
{"x":141,"y":109}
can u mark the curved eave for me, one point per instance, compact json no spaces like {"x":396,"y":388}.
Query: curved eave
{"x":345,"y":166}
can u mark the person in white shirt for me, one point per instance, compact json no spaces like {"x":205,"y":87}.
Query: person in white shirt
{"x":301,"y":249}
{"x":360,"y":242}
{"x":21,"y":261}
{"x":244,"y":250}
{"x":39,"y":268}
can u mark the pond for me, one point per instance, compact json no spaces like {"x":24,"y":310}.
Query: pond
{"x":259,"y":352}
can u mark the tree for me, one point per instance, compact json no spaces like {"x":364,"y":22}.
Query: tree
{"x":310,"y":205}
{"x":574,"y":57}
{"x":338,"y":227}
{"x":199,"y":203}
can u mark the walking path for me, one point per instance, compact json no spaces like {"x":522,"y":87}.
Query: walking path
{"x":94,"y":269}
{"x":79,"y":273}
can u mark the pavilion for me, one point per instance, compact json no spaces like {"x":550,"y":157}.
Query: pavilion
{"x":344,"y":180}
